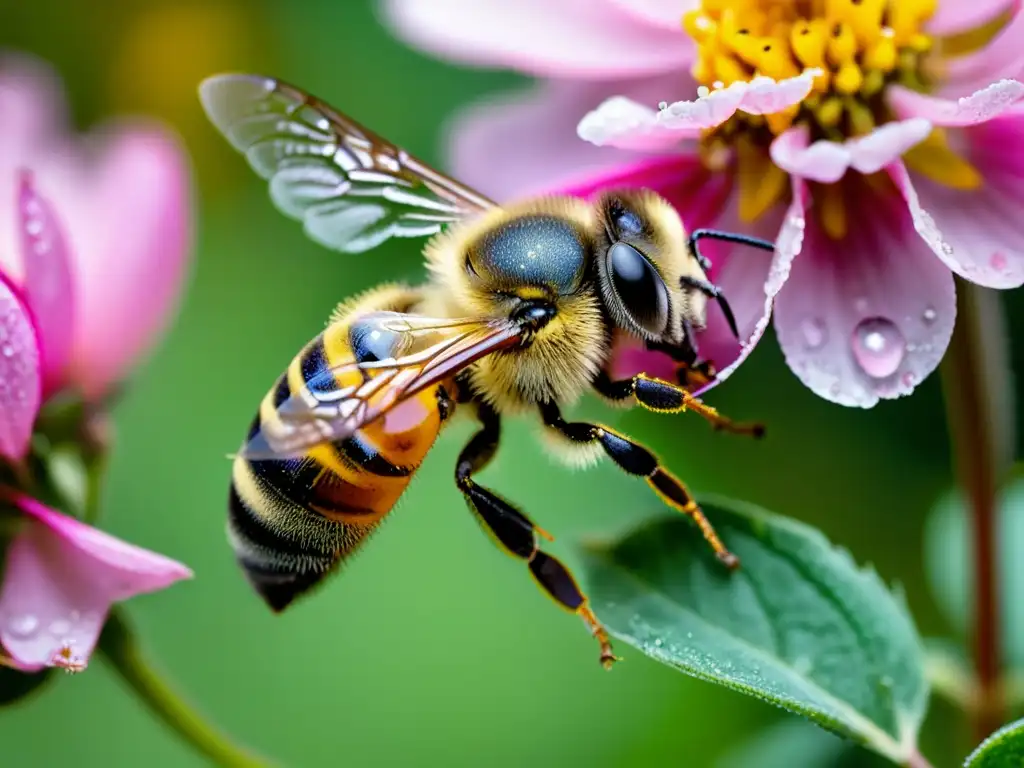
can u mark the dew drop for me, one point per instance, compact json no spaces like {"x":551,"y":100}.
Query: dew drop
{"x":7,"y":350}
{"x":929,"y":315}
{"x":662,"y":105}
{"x":814,"y":331}
{"x":658,"y":642}
{"x":878,"y":347}
{"x":946,"y":248}
{"x":998,"y":261}
{"x":23,"y":626}
{"x":908,"y":379}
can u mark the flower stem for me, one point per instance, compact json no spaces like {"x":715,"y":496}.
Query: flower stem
{"x":976,"y":379}
{"x":917,"y":760}
{"x":119,"y":646}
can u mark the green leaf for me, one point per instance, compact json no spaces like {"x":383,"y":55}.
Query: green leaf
{"x":1003,"y":749}
{"x":949,"y":564}
{"x":15,"y":685}
{"x":799,"y":625}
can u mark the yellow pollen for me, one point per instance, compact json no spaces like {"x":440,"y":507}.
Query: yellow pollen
{"x":860,"y":47}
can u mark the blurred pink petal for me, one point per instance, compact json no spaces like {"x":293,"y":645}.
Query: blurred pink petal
{"x":1001,"y":59}
{"x":488,"y":150}
{"x":981,"y":106}
{"x":667,"y":14}
{"x":30,"y":106}
{"x":127,"y":217}
{"x":61,"y":577}
{"x":827,"y":161}
{"x":20,"y":373}
{"x":555,"y":38}
{"x":48,"y":280}
{"x":952,"y":16}
{"x":623,"y":123}
{"x":978,"y":233}
{"x":868,"y":317}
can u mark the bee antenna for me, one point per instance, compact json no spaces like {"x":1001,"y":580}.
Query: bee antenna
{"x":728,"y":237}
{"x":713,"y":292}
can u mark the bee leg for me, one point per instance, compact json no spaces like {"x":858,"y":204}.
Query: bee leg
{"x":691,"y":371}
{"x":637,"y":460}
{"x":665,"y":397}
{"x":516,"y":533}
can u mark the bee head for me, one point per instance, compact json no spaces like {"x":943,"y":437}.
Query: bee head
{"x":641,"y":257}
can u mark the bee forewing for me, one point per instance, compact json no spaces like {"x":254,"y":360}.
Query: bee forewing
{"x":351,"y":188}
{"x":420,"y":352}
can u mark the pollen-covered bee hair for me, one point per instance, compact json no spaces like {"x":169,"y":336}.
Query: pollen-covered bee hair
{"x":519,"y":315}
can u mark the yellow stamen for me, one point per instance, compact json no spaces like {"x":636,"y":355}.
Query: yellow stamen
{"x":859,"y":46}
{"x":934,"y":159}
{"x":761,"y":183}
{"x":832,"y":210}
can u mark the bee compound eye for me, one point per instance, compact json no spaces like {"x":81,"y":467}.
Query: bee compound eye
{"x":638,"y":287}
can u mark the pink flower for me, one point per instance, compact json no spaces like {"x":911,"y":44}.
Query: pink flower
{"x":60,"y":579}
{"x":904,"y":164}
{"x":123,"y":194}
{"x":84,"y":285}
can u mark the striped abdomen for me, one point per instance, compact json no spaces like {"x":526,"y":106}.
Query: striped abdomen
{"x":292,"y":521}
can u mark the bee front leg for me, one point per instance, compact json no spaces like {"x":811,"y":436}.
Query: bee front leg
{"x":515,"y":533}
{"x":637,"y":460}
{"x":665,"y":397}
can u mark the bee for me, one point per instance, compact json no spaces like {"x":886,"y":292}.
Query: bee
{"x":519,"y":315}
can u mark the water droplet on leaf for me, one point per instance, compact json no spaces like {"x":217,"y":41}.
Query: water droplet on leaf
{"x":878,"y":347}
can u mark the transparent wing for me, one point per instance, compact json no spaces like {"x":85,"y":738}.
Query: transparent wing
{"x":413,"y":353}
{"x":351,"y":188}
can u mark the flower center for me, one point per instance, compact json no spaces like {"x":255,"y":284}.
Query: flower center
{"x":860,"y":47}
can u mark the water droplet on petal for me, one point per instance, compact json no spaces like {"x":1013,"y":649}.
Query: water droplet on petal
{"x":662,"y":105}
{"x":878,"y":347}
{"x":908,"y":379}
{"x":7,"y":350}
{"x":998,"y":261}
{"x":929,"y":315}
{"x":23,"y":626}
{"x":947,"y":248}
{"x":814,"y":331}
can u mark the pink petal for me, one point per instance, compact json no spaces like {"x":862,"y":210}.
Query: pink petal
{"x":623,"y":123}
{"x":981,"y":106}
{"x":48,"y":280}
{"x":765,"y":96}
{"x":869,"y":317}
{"x":60,"y":580}
{"x":1002,"y":58}
{"x":20,"y":377}
{"x":952,"y":16}
{"x":979,"y":233}
{"x":760,"y":96}
{"x":30,"y":106}
{"x":128,"y":217}
{"x":886,"y":143}
{"x":667,"y":14}
{"x":550,"y":38}
{"x":825,"y":161}
{"x":487,"y":151}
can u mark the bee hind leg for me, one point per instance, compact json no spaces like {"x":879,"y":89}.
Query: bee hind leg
{"x":665,"y":397}
{"x":637,"y":460}
{"x":515,"y":533}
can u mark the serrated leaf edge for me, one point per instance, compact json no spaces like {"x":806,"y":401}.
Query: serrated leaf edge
{"x":1016,"y":725}
{"x":869,"y":733}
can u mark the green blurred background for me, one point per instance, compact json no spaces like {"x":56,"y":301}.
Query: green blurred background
{"x":433,"y":648}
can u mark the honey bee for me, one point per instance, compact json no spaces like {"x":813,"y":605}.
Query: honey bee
{"x":519,"y":315}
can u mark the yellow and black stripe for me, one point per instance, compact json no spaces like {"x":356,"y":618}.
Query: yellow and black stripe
{"x":291,"y":521}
